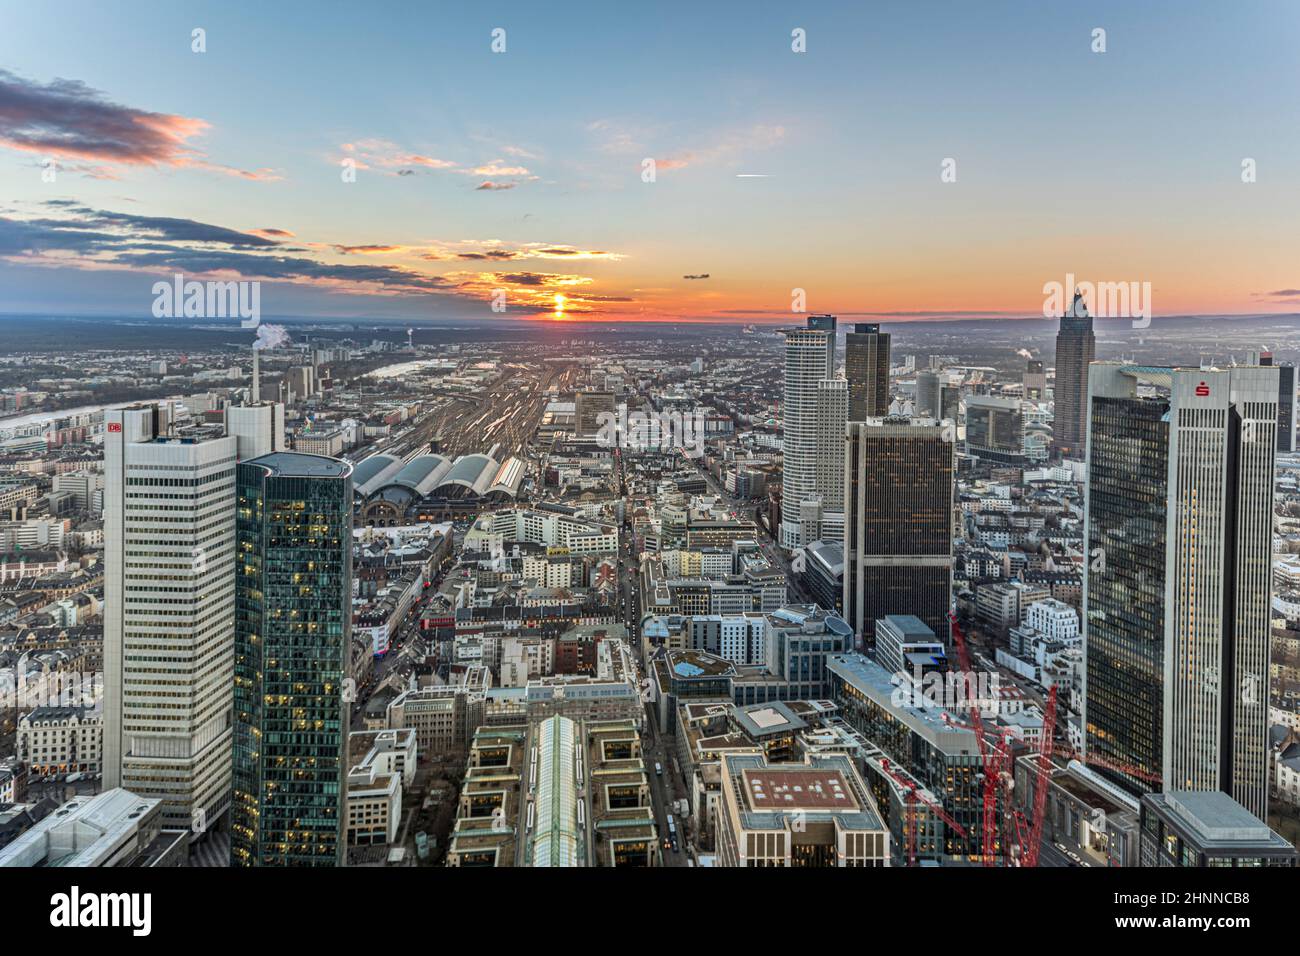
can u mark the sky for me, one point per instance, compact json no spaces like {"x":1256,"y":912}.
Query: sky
{"x":520,"y":178}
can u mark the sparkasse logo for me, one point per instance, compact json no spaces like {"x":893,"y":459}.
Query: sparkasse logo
{"x":72,"y":909}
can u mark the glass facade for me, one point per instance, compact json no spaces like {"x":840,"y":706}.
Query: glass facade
{"x":1128,"y":479}
{"x":898,"y":524}
{"x":866,"y":366}
{"x":292,"y":629}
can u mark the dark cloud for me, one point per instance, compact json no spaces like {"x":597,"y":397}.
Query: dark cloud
{"x":496,"y":255}
{"x":489,"y":184}
{"x":69,"y":118}
{"x":348,"y":250}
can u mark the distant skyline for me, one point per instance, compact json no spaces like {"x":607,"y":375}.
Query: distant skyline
{"x":522,"y":171}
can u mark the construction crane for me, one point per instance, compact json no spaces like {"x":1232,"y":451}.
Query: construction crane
{"x":912,"y":797}
{"x":1030,"y":831}
{"x":990,"y":759}
{"x":996,"y":759}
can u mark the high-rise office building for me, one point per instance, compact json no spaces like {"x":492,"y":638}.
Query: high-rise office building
{"x":949,"y":402}
{"x":1034,"y":380}
{"x":1286,"y":404}
{"x":1177,"y":587}
{"x":257,"y":429}
{"x":1286,"y":409}
{"x":1076,"y":347}
{"x":866,"y":367}
{"x":898,"y":522}
{"x":995,"y":429}
{"x":833,"y":397}
{"x":809,"y":358}
{"x":929,"y":393}
{"x":588,"y":407}
{"x":169,"y":604}
{"x":292,"y":631}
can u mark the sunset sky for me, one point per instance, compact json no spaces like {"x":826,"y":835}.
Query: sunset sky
{"x":775,"y":170}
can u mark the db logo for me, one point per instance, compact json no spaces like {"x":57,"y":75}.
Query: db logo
{"x":1202,"y":390}
{"x":115,"y":426}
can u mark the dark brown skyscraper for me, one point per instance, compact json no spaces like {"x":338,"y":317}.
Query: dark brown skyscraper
{"x":1076,"y":347}
{"x":866,"y":366}
{"x":898,"y":515}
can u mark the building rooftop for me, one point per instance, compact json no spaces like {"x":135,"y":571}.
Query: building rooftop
{"x":1215,"y":819}
{"x":296,"y":464}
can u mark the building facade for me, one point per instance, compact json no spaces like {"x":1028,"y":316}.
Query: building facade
{"x":292,"y":632}
{"x":1177,"y":587}
{"x":866,"y":366}
{"x":809,"y":358}
{"x":1076,"y":347}
{"x":898,"y":522}
{"x":169,"y":589}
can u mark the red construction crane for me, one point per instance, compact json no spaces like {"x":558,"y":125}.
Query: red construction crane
{"x":1024,"y":833}
{"x":990,"y":759}
{"x":912,"y":798}
{"x":1032,"y":833}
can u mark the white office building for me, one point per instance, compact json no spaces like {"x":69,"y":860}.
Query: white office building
{"x":809,"y":359}
{"x":832,"y":414}
{"x":169,"y":605}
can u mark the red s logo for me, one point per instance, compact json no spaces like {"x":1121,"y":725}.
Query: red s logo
{"x":1202,"y":390}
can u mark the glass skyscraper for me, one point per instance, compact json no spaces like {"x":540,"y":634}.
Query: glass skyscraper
{"x":898,"y":522}
{"x":866,"y":366}
{"x":1177,"y":587}
{"x":292,"y":628}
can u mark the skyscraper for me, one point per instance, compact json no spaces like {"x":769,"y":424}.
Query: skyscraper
{"x":898,"y":513}
{"x":929,"y":393}
{"x":169,"y":585}
{"x":809,"y":358}
{"x":292,"y":630}
{"x":1286,"y":410}
{"x":588,"y":409}
{"x":833,"y":397}
{"x":1177,"y":587}
{"x":257,"y":429}
{"x":1076,"y":347}
{"x":866,"y":367}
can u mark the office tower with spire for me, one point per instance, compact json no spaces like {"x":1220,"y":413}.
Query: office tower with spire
{"x":898,"y":522}
{"x":292,"y":630}
{"x":169,"y":604}
{"x":1076,"y":348}
{"x":809,"y":358}
{"x":866,"y":367}
{"x":1177,"y":586}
